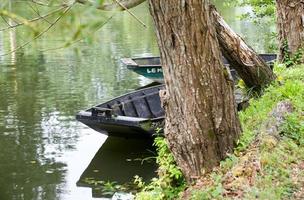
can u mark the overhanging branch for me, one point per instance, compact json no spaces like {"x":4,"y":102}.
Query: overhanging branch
{"x":34,"y":19}
{"x":113,"y":5}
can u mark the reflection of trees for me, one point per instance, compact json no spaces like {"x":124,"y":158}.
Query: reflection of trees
{"x":12,"y":37}
{"x":122,"y":37}
{"x":23,"y":169}
{"x":119,"y":160}
{"x":131,"y":34}
{"x":41,"y":92}
{"x":1,"y":46}
{"x":13,"y":44}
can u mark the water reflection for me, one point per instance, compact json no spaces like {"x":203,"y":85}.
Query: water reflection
{"x":43,"y":149}
{"x":116,"y":163}
{"x":25,"y":168}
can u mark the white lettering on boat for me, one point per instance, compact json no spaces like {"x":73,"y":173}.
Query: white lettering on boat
{"x":154,"y":70}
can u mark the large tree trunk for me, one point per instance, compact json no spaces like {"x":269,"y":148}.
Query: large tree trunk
{"x":290,"y":24}
{"x":250,"y":67}
{"x":201,"y":119}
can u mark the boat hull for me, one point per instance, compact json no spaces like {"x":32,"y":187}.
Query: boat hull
{"x":118,"y":126}
{"x":133,"y":115}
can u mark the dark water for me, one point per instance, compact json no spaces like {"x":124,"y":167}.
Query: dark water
{"x":116,"y":162}
{"x":44,"y":152}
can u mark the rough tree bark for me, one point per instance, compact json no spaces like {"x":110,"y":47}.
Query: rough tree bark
{"x":290,"y":25}
{"x":249,"y":65}
{"x":201,"y":119}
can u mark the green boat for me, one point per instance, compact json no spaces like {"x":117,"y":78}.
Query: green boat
{"x":150,"y":67}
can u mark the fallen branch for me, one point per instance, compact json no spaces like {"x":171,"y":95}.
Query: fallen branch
{"x":248,"y":64}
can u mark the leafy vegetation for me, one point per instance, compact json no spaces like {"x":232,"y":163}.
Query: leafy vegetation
{"x":262,"y":13}
{"x":261,"y":9}
{"x":170,"y":181}
{"x":294,"y":59}
{"x":271,"y":169}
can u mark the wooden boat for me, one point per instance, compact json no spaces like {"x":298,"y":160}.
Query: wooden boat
{"x":150,"y":67}
{"x":133,"y":115}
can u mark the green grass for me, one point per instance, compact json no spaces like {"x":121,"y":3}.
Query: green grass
{"x":289,"y":87}
{"x":255,"y":171}
{"x":274,"y":180}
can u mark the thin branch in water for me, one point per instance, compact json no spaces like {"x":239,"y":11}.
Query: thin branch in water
{"x":6,"y":22}
{"x":132,"y":14}
{"x":40,"y":3}
{"x":112,"y":6}
{"x":41,"y":33}
{"x":10,"y":23}
{"x":35,"y":19}
{"x":17,"y":19}
{"x":109,"y":7}
{"x":34,"y":7}
{"x":79,"y":40}
{"x":36,"y":10}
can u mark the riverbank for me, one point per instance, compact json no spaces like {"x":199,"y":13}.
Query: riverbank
{"x":268,"y":162}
